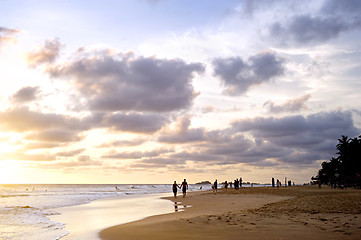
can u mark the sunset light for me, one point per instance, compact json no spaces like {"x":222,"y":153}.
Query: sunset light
{"x":92,"y":92}
{"x":180,"y":119}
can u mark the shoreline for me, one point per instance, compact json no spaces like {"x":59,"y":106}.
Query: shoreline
{"x":300,"y":212}
{"x":85,"y":221}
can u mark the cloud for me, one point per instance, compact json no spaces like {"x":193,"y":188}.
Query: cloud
{"x":45,"y":54}
{"x":249,"y":8}
{"x":306,"y":29}
{"x":138,"y":154}
{"x":349,"y":10}
{"x":182,"y":133}
{"x":157,"y":163}
{"x":17,"y":155}
{"x":269,"y":141}
{"x":7,"y":36}
{"x":24,"y":120}
{"x":82,"y":161}
{"x":41,"y":145}
{"x":212,"y":147}
{"x":208,"y":109}
{"x":55,"y":135}
{"x":292,"y":105}
{"x":238,"y":76}
{"x":301,"y":139}
{"x":85,"y":160}
{"x":46,"y":129}
{"x":123,"y":143}
{"x":328,"y":22}
{"x":122,"y":82}
{"x":70,"y":153}
{"x":26,"y":94}
{"x":135,"y":122}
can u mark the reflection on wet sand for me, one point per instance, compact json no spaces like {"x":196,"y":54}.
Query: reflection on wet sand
{"x":179,"y":207}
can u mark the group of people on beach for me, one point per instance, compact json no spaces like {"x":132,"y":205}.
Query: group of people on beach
{"x":237,"y":184}
{"x":183,"y":186}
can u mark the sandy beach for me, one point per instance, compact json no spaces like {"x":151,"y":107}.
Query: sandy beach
{"x":299,"y":212}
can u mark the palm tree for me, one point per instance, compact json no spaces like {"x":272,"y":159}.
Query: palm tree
{"x":347,"y":166}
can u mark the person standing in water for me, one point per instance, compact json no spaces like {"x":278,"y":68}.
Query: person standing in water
{"x":184,"y":186}
{"x":175,"y":186}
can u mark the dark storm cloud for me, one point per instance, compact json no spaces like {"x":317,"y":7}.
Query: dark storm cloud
{"x":26,"y":94}
{"x":238,"y":76}
{"x":331,"y":20}
{"x":44,"y":54}
{"x":292,"y":105}
{"x":122,"y":82}
{"x":135,"y":122}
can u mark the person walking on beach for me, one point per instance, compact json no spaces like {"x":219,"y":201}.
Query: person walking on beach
{"x":175,"y":186}
{"x":215,"y":186}
{"x":184,"y":186}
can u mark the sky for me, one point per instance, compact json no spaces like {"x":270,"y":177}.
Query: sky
{"x":152,"y":91}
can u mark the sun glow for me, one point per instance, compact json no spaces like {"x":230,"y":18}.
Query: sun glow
{"x":10,"y":171}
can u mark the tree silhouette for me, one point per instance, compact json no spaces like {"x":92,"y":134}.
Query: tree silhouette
{"x":345,"y":169}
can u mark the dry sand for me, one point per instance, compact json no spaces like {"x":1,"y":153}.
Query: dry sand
{"x":300,"y":212}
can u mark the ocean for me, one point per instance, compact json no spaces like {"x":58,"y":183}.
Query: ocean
{"x":27,"y":211}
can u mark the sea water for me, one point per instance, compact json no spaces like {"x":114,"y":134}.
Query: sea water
{"x":26,"y":210}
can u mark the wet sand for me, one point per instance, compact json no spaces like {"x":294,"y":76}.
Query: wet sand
{"x":84,"y":222}
{"x":300,"y":212}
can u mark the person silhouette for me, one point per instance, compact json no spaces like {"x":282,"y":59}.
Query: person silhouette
{"x":174,"y":187}
{"x":184,"y":186}
{"x":215,"y":185}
